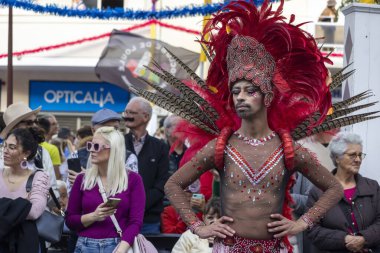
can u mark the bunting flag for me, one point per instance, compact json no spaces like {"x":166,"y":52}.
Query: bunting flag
{"x":119,"y":13}
{"x":124,"y":59}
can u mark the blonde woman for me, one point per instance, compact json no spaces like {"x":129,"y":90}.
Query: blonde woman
{"x":89,"y":215}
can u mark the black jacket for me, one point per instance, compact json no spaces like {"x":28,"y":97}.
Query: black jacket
{"x":83,"y":156}
{"x":17,"y":235}
{"x":153,"y":163}
{"x":328,"y":235}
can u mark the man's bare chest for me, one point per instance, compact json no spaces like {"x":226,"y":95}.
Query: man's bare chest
{"x":255,"y":176}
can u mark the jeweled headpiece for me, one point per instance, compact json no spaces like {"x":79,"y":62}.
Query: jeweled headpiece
{"x":247,"y":59}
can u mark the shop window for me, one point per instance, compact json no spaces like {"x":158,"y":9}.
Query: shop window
{"x":112,"y":4}
{"x":104,"y":4}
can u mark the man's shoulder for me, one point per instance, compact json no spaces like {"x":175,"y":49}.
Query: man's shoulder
{"x":51,"y":149}
{"x":45,"y":145}
{"x":82,"y":151}
{"x":154,"y":139}
{"x":155,"y":143}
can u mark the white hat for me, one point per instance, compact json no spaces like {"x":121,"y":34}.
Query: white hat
{"x":14,"y":114}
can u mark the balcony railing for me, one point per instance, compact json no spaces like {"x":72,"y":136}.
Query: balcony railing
{"x":330,"y":35}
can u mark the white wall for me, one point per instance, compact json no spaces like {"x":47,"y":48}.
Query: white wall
{"x":362,"y":21}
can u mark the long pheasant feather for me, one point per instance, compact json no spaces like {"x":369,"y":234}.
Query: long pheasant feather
{"x":305,"y":124}
{"x":337,"y":81}
{"x":185,"y":90}
{"x":337,"y":123}
{"x":171,"y":107}
{"x":339,"y":73}
{"x":188,"y":106}
{"x":192,"y":74}
{"x":346,"y":111}
{"x":206,"y":52}
{"x":352,"y":100}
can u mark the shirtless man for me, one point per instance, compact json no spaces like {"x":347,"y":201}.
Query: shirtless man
{"x":258,"y":160}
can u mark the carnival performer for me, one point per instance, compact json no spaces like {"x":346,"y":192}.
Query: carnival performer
{"x":251,"y":49}
{"x":266,"y":88}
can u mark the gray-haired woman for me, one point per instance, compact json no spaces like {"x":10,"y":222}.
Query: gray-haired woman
{"x":354,"y":224}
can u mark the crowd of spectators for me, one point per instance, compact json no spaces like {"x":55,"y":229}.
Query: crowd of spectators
{"x":134,"y":167}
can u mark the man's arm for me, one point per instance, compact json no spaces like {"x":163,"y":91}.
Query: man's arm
{"x":156,"y":193}
{"x":309,"y":166}
{"x":203,"y":161}
{"x":184,"y":176}
{"x":56,"y":159}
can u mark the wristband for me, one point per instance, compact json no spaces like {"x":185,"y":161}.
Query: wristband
{"x":196,"y":225}
{"x":308,"y":221}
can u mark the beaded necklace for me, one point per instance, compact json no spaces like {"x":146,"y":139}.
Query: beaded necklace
{"x":255,"y":142}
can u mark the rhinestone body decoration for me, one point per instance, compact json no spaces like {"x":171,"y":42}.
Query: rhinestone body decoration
{"x":255,"y":142}
{"x":254,"y":176}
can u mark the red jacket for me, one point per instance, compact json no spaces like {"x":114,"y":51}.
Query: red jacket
{"x":171,"y":222}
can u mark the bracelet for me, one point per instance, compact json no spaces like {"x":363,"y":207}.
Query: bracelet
{"x":308,"y":221}
{"x":196,"y":225}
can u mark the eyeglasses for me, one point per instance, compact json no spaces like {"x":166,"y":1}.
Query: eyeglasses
{"x":353,"y":156}
{"x":133,"y":113}
{"x":29,"y":122}
{"x":96,"y":147}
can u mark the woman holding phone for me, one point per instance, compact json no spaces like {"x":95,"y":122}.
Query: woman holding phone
{"x":89,"y":213}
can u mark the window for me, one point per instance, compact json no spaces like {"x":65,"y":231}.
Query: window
{"x":112,"y":4}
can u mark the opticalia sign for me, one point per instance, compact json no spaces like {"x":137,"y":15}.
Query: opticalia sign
{"x":64,"y":96}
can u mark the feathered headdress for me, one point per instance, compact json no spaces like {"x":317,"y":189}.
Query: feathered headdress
{"x":279,"y":58}
{"x":275,"y":55}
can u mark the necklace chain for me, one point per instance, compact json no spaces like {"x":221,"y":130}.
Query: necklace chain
{"x":8,"y":177}
{"x":8,"y":174}
{"x":255,"y":142}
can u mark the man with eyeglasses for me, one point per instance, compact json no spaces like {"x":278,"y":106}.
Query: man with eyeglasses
{"x":153,"y":159}
{"x":19,"y":115}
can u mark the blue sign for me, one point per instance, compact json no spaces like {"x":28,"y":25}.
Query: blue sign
{"x":66,"y":96}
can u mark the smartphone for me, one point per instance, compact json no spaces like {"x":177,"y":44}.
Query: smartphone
{"x":113,"y":202}
{"x":198,"y":196}
{"x":74,"y":164}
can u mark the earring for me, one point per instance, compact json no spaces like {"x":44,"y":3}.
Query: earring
{"x":24,"y":164}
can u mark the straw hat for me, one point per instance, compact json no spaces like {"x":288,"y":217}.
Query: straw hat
{"x":14,"y":114}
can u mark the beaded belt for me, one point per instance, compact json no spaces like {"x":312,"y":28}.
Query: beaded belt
{"x":237,"y":244}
